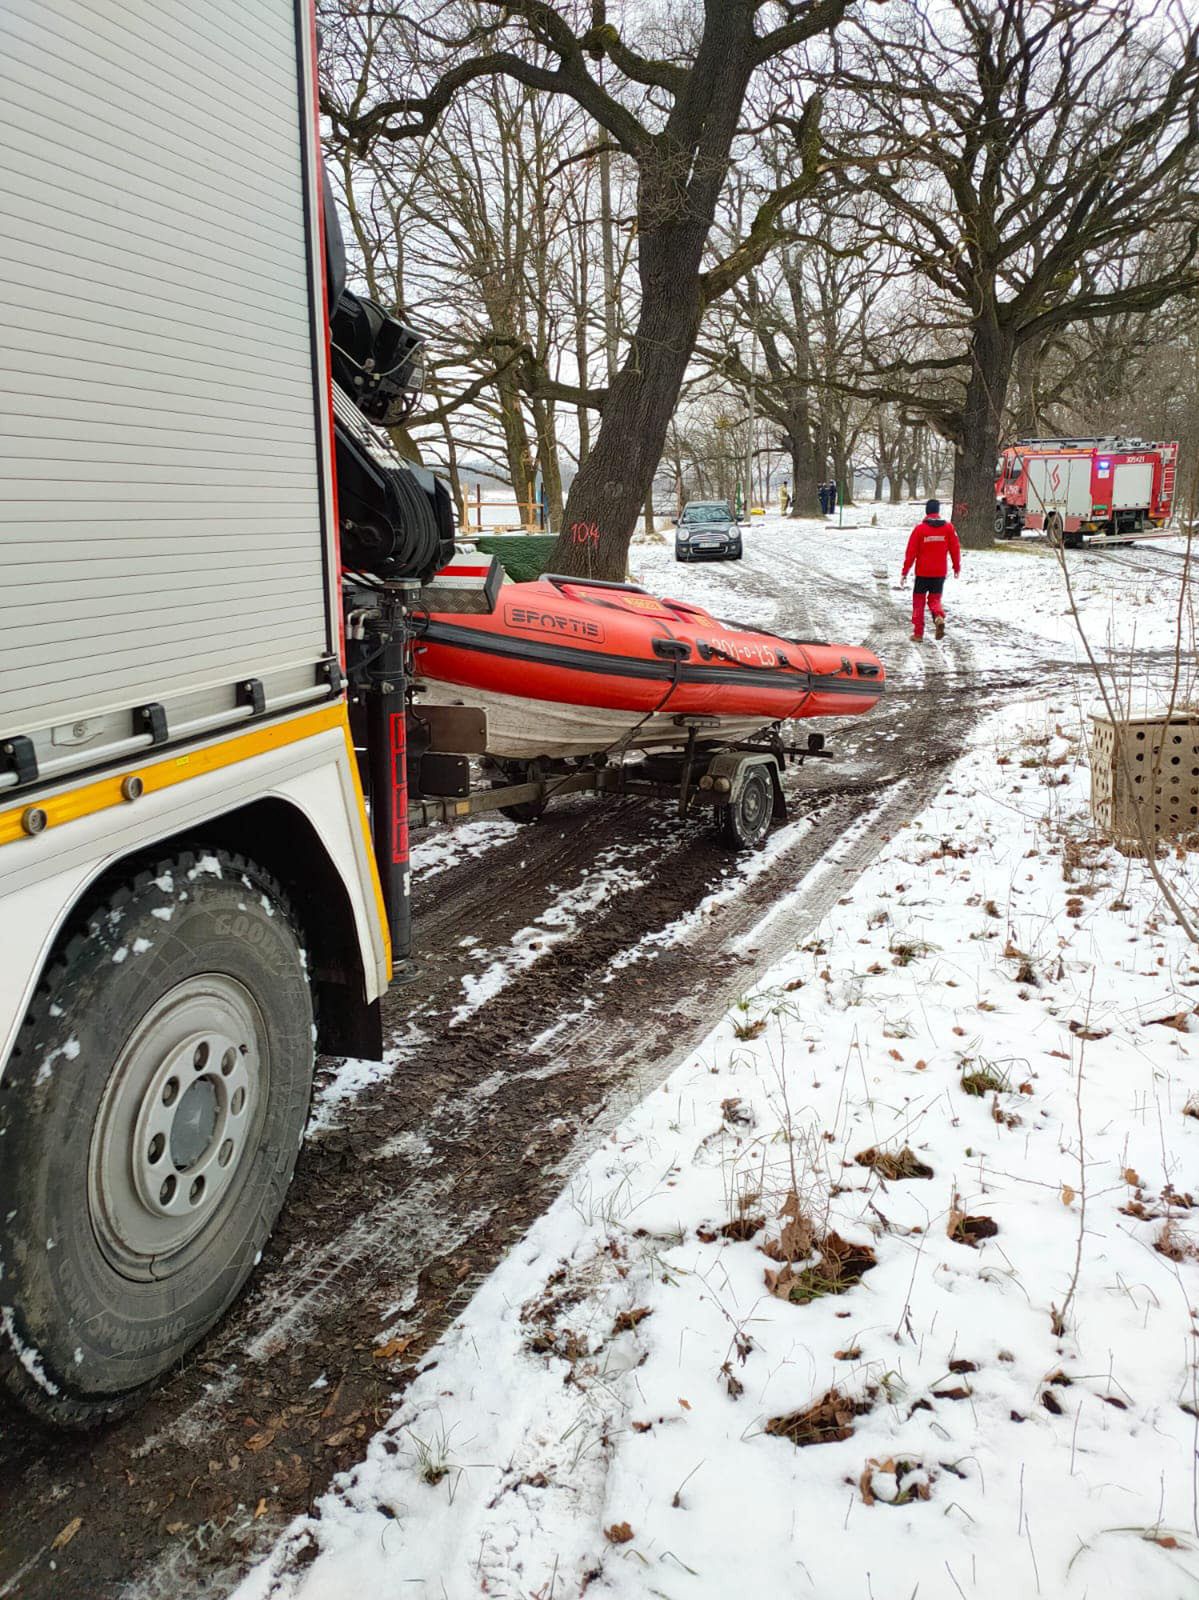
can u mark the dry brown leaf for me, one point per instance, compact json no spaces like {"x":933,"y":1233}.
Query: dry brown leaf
{"x":1130,"y":1178}
{"x":895,"y":1055}
{"x":393,"y":1348}
{"x":628,"y":1320}
{"x":259,"y":1441}
{"x":686,"y":1404}
{"x":176,"y":1527}
{"x":1179,"y":1021}
{"x":618,"y":1533}
{"x":1168,"y":1542}
{"x":921,"y":1066}
{"x":260,"y":1509}
{"x":796,"y":1239}
{"x":1067,"y":1195}
{"x":64,"y":1536}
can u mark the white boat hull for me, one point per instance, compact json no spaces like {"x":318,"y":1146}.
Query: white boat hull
{"x":523,"y":730}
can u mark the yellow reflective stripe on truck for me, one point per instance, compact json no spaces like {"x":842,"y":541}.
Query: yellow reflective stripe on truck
{"x":370,"y":854}
{"x":105,"y":793}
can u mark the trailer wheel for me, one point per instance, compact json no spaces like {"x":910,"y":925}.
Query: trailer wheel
{"x":525,"y":811}
{"x":151,"y":1117}
{"x":745,"y":821}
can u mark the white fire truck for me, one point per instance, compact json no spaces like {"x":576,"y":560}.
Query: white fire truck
{"x":192,"y":900}
{"x":1073,"y":487}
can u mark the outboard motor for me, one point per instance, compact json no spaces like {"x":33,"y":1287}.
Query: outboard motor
{"x":396,"y":518}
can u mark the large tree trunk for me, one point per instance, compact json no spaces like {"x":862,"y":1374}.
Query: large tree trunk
{"x":610,"y":488}
{"x":991,"y":351}
{"x":679,"y":182}
{"x":1028,"y":401}
{"x":519,"y":451}
{"x":803,"y":468}
{"x":547,"y":459}
{"x":842,"y":472}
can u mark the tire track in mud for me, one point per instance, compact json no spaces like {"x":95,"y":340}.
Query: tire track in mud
{"x":432,"y":1171}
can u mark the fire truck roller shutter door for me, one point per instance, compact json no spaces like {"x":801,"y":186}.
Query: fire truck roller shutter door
{"x":1132,"y":486}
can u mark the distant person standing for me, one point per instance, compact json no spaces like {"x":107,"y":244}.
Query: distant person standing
{"x":784,"y":500}
{"x":931,"y":548}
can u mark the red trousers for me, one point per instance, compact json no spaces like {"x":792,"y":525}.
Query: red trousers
{"x":934,"y":605}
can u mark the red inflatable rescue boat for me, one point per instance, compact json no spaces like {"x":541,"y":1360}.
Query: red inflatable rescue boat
{"x":571,"y":667}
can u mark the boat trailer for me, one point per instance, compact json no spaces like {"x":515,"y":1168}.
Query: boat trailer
{"x":740,"y":784}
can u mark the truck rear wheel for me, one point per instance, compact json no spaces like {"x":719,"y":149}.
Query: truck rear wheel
{"x":151,"y":1116}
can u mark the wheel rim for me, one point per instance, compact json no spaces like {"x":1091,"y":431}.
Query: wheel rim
{"x":177,"y":1126}
{"x":755,"y":814}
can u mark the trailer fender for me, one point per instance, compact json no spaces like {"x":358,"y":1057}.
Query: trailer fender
{"x":735,"y":765}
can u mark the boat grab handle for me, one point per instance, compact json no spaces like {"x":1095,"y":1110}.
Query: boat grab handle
{"x":559,"y":578}
{"x":672,"y":649}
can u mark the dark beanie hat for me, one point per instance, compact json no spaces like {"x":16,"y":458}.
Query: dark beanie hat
{"x":932,"y":508}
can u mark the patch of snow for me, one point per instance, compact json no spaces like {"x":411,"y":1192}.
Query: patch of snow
{"x":68,"y":1052}
{"x":25,"y":1354}
{"x":1027,"y":1407}
{"x":1011,"y":1419}
{"x":206,"y":864}
{"x":443,"y":848}
{"x":140,"y":946}
{"x":559,"y":920}
{"x":350,"y":1077}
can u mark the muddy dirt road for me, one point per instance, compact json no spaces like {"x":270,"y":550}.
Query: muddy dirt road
{"x":564,"y":969}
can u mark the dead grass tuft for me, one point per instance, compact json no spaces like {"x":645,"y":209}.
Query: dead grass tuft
{"x":983,"y":1080}
{"x":823,"y":1422}
{"x":893,"y":1164}
{"x":1172,"y":1244}
{"x":905,"y":951}
{"x":743,"y":1228}
{"x":963,"y":1229}
{"x":841,"y":1264}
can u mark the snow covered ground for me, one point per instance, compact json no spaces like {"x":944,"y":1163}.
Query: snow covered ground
{"x":891,"y":1289}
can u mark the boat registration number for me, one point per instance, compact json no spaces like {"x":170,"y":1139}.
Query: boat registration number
{"x":753,"y":654}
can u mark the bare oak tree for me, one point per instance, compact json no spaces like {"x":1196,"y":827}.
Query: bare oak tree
{"x":1022,"y":151}
{"x":672,"y":100}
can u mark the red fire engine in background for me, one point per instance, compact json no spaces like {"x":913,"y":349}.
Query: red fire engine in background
{"x":1073,"y":487}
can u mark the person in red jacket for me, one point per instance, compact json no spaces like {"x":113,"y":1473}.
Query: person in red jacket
{"x":933,"y":545}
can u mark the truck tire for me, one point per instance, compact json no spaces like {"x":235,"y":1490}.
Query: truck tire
{"x":745,"y":821}
{"x":1000,"y":522}
{"x":150,"y":1115}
